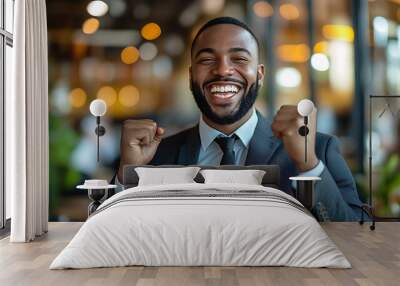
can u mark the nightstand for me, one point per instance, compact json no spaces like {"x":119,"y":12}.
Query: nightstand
{"x":305,"y":190}
{"x":97,"y":194}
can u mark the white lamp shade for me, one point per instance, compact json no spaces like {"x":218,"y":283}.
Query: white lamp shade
{"x":305,"y":107}
{"x":98,"y":107}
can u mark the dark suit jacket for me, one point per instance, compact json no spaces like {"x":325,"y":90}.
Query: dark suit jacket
{"x":336,"y":196}
{"x":336,"y":193}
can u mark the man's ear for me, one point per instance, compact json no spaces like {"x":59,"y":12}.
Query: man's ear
{"x":261,"y":74}
{"x":190,"y":78}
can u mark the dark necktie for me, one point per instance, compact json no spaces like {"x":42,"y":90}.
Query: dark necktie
{"x":226,"y":145}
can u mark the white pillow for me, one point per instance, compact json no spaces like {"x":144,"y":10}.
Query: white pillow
{"x":164,"y":176}
{"x":248,"y":177}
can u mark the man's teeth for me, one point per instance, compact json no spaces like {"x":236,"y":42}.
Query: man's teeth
{"x":224,"y":88}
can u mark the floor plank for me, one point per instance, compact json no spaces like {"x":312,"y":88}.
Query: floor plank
{"x":374,"y":255}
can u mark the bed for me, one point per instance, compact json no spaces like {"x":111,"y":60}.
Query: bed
{"x":201,"y":224}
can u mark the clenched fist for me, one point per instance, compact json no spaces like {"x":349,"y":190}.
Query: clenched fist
{"x":285,"y":126}
{"x":139,"y":142}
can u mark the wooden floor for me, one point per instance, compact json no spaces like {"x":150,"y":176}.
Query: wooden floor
{"x":375,"y":256}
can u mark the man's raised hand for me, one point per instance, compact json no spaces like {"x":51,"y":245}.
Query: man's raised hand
{"x":285,"y":126}
{"x":139,"y":142}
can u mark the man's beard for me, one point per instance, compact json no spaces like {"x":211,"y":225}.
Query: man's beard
{"x":246,"y":103}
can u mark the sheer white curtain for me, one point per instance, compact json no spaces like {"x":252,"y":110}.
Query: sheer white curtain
{"x":27,"y":124}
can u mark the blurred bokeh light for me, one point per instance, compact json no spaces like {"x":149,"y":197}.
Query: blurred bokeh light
{"x":289,"y":12}
{"x":90,"y":26}
{"x":129,"y":55}
{"x":297,"y":53}
{"x":108,"y":94}
{"x":148,"y":51}
{"x":77,"y":97}
{"x":151,"y":31}
{"x":97,"y":8}
{"x":128,"y":96}
{"x":338,"y":32}
{"x":320,"y":62}
{"x":263,"y":9}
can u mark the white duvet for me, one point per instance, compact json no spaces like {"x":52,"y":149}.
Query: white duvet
{"x":185,"y":230}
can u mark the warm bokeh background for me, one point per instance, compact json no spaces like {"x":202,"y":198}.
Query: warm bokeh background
{"x":135,"y":56}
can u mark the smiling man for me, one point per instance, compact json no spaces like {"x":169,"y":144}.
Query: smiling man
{"x":225,"y":77}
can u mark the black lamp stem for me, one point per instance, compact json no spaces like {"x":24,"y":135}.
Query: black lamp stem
{"x":305,"y":139}
{"x":98,"y":137}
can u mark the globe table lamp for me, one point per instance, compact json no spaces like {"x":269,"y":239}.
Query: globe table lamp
{"x":98,"y":108}
{"x":305,"y":184}
{"x":305,"y":107}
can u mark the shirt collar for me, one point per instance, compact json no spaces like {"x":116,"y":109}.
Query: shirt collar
{"x":244,"y":132}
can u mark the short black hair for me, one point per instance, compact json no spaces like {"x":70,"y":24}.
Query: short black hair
{"x":224,"y":20}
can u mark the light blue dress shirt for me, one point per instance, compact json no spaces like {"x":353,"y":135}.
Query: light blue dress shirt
{"x":210,"y":152}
